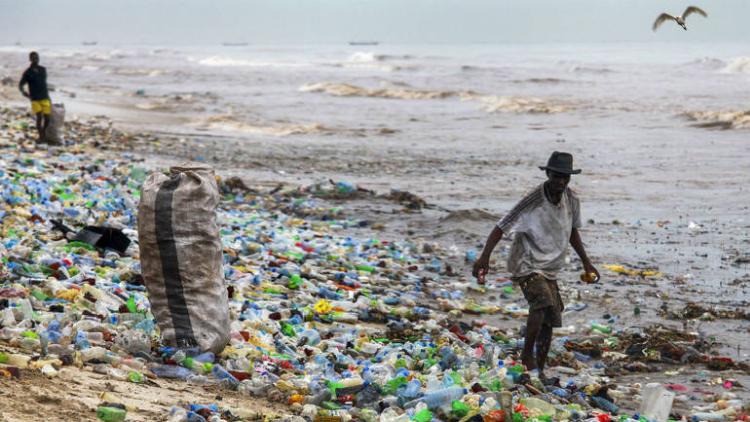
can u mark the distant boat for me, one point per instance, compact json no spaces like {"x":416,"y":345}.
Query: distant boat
{"x":89,"y":43}
{"x":234,"y":44}
{"x":364,"y":42}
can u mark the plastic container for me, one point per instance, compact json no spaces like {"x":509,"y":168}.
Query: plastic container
{"x":656,"y":402}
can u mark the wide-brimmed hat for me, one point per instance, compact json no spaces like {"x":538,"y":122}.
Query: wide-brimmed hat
{"x":560,"y":162}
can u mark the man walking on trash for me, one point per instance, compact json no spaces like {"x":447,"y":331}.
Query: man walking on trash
{"x":36,"y":77}
{"x":544,"y":222}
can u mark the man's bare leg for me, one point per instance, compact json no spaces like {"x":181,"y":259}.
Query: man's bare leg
{"x":45,"y":126}
{"x":543,"y":344}
{"x":533,"y":326}
{"x":40,"y":127}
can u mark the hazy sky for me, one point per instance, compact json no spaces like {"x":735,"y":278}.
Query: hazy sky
{"x":388,"y":21}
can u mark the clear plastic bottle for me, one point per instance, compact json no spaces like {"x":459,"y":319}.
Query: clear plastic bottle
{"x":224,"y":376}
{"x":171,"y":371}
{"x":439,"y":398}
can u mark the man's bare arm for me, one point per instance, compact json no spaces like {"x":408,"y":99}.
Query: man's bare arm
{"x":20,"y":88}
{"x":577,"y":244}
{"x":482,"y":265}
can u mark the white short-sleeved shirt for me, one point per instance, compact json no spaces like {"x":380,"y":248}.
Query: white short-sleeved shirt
{"x":541,"y":232}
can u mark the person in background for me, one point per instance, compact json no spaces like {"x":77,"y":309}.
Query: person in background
{"x":41,"y":105}
{"x":544,"y":222}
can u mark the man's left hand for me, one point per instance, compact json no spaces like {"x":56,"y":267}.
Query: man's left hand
{"x":589,"y":268}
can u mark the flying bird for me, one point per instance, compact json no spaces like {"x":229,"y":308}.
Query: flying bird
{"x":679,"y":19}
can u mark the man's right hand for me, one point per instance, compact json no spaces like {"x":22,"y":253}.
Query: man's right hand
{"x":481,"y":267}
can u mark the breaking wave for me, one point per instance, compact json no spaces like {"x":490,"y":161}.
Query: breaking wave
{"x":491,"y":103}
{"x":348,"y":90}
{"x":222,"y":61}
{"x":737,"y":65}
{"x":706,"y":63}
{"x":720,"y":119}
{"x":228,"y":123}
{"x":514,"y":104}
{"x":370,"y":57}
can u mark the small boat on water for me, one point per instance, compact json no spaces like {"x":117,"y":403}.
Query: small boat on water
{"x":234,"y":44}
{"x":89,"y":43}
{"x":364,"y":42}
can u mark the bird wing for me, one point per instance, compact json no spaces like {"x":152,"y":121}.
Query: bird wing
{"x":692,"y":9}
{"x":663,"y":17}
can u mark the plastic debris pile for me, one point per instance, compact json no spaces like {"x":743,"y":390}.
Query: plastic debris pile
{"x":340,"y":328}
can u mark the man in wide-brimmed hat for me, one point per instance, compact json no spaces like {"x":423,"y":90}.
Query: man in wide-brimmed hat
{"x":544,"y":222}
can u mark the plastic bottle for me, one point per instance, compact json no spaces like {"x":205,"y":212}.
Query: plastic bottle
{"x":706,"y":416}
{"x":310,"y":337}
{"x":110,"y":414}
{"x":224,"y":376}
{"x":539,"y":407}
{"x":348,"y":386}
{"x":439,"y":398}
{"x":423,"y":415}
{"x":13,"y":359}
{"x":171,"y":371}
{"x":601,"y":328}
{"x":605,"y":404}
{"x":411,"y":390}
{"x":94,"y":353}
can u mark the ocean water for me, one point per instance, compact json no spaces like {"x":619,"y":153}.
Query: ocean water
{"x":371,"y":90}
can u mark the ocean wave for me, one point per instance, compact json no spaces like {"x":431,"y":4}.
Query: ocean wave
{"x":589,"y":69}
{"x":706,"y":63}
{"x":491,"y":103}
{"x":515,"y":104}
{"x":712,"y":119}
{"x":540,"y":81}
{"x":371,"y":57}
{"x":228,"y":123}
{"x":222,"y":61}
{"x":348,"y":90}
{"x":737,"y":65}
{"x":133,"y":71}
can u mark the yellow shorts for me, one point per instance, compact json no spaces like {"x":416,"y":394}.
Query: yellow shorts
{"x":41,"y":106}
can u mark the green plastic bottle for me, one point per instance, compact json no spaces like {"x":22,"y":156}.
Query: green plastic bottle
{"x":423,"y":415}
{"x":365,"y":268}
{"x":294,"y":281}
{"x":600,"y":328}
{"x":459,"y":409}
{"x":132,"y":307}
{"x":287,"y":329}
{"x":135,"y":377}
{"x":110,"y":414}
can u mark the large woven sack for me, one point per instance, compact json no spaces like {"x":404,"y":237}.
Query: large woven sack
{"x":55,"y":131}
{"x":181,"y":257}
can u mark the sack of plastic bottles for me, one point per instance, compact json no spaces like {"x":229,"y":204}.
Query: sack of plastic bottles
{"x":181,"y":257}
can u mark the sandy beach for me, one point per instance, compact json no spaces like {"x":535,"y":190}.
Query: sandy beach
{"x":664,"y":187}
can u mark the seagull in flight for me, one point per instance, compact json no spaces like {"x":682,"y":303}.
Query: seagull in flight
{"x":679,"y":19}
